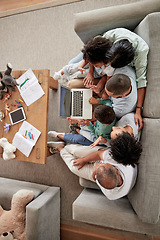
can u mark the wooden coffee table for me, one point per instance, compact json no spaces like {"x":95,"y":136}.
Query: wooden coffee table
{"x":36,"y":114}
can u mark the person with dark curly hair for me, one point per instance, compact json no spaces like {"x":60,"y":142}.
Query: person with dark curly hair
{"x":125,"y":149}
{"x":117,"y":54}
{"x":127,"y":48}
{"x":93,"y":53}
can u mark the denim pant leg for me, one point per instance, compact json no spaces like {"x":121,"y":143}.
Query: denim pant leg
{"x":76,"y":138}
{"x":76,"y":59}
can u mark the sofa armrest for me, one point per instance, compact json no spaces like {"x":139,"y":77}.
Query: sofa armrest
{"x":91,"y":23}
{"x":43,"y":216}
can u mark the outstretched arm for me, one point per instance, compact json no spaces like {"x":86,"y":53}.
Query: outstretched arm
{"x":99,"y":140}
{"x":138,"y":114}
{"x":95,"y":156}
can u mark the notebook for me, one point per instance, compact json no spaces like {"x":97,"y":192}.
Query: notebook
{"x":29,"y":87}
{"x":75,"y":102}
{"x":25,"y":139}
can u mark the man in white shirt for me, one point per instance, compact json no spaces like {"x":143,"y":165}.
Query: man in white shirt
{"x":114,"y":179}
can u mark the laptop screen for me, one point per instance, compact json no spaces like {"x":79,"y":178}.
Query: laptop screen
{"x":65,"y":102}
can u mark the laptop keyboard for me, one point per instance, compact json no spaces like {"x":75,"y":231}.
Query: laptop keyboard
{"x":77,"y":103}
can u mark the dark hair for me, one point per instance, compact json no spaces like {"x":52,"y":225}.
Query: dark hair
{"x":125,"y":149}
{"x":121,"y":53}
{"x":104,"y":114}
{"x":95,"y":49}
{"x":118,"y":84}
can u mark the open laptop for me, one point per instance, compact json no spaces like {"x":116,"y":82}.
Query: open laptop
{"x":75,"y":102}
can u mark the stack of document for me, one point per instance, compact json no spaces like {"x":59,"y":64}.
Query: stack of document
{"x":25,"y":139}
{"x":29,"y":87}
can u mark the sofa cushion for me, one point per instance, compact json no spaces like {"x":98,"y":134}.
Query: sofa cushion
{"x":10,"y":186}
{"x":93,"y":207}
{"x":91,"y":23}
{"x":149,"y":30}
{"x":88,"y":184}
{"x":145,"y":196}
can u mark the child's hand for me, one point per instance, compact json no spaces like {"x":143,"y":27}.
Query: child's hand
{"x":83,"y":122}
{"x":72,"y":120}
{"x":79,"y":162}
{"x":81,"y":70}
{"x":95,"y":88}
{"x":93,"y":100}
{"x":99,"y":140}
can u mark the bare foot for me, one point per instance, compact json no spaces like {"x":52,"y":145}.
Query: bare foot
{"x":59,"y":148}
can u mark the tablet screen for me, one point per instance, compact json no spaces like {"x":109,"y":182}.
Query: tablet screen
{"x":17,"y":115}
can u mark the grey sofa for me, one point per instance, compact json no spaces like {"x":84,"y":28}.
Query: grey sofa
{"x":42,"y":213}
{"x":140,"y":210}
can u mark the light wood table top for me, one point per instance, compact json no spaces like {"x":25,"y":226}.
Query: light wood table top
{"x":36,"y":114}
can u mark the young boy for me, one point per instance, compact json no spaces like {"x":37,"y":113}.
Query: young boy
{"x":122,"y":90}
{"x":100,"y":129}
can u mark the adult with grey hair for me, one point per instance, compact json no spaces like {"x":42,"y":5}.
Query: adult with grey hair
{"x":113,"y":168}
{"x":114,"y":179}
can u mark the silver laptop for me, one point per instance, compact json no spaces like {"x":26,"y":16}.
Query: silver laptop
{"x":75,"y":102}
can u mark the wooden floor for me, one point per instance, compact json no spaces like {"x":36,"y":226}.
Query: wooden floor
{"x":15,"y":4}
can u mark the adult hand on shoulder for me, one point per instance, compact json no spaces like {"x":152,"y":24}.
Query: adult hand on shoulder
{"x":104,"y":96}
{"x":138,"y":120}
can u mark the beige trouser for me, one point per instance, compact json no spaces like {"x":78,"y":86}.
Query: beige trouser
{"x":78,"y":83}
{"x":72,"y":151}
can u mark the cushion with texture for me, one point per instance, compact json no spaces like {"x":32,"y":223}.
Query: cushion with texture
{"x":144,"y":197}
{"x":91,"y":23}
{"x":149,"y":30}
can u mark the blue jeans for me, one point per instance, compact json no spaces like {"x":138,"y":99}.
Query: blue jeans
{"x":76,"y":138}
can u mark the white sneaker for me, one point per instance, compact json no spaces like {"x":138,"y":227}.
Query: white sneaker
{"x":54,"y":134}
{"x":54,"y":145}
{"x":57,"y":75}
{"x":62,"y":79}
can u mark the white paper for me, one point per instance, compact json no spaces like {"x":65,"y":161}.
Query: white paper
{"x":26,"y":138}
{"x":22,"y":144}
{"x":29,"y":87}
